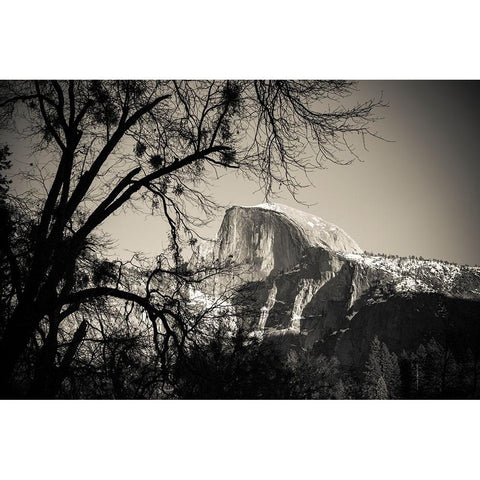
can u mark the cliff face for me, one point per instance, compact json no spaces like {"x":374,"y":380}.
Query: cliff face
{"x":308,"y":283}
{"x":271,"y":239}
{"x":264,"y":240}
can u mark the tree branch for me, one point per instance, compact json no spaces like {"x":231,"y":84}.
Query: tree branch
{"x":100,"y":214}
{"x":89,"y":176}
{"x":46,"y":119}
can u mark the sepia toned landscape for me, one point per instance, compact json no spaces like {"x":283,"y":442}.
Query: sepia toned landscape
{"x":239,"y":239}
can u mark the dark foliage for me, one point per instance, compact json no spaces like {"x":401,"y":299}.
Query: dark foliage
{"x":104,"y":146}
{"x":240,"y":368}
{"x":244,"y":367}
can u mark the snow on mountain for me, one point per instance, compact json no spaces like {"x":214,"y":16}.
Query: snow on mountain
{"x":272,"y":238}
{"x":420,"y":275}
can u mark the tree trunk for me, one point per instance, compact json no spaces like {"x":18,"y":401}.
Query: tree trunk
{"x":19,"y":331}
{"x":475,"y":375}
{"x":45,"y":369}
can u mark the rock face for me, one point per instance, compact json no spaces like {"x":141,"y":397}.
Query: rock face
{"x":308,"y":283}
{"x":272,"y":238}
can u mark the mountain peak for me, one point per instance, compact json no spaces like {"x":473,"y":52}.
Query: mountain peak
{"x":316,"y":231}
{"x":271,"y":238}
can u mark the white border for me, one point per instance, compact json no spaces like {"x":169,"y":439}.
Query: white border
{"x":239,"y":439}
{"x":250,"y":39}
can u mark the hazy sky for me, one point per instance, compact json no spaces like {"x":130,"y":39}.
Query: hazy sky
{"x":415,"y":195}
{"x":418,"y":194}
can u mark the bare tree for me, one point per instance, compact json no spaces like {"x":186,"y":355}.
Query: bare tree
{"x":101,"y":146}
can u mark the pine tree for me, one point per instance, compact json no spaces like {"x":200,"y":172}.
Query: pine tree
{"x":438,"y":372}
{"x":419,"y":362}
{"x":407,"y":368}
{"x":373,"y":370}
{"x":381,"y":364}
{"x":381,"y":390}
{"x":390,"y":370}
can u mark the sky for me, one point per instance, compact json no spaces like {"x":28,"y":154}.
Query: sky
{"x":414,"y":193}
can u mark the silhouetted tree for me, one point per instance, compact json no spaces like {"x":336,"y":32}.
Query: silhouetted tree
{"x":437,"y":370}
{"x":232,"y":365}
{"x":314,"y":376}
{"x":102,"y":146}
